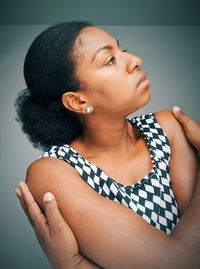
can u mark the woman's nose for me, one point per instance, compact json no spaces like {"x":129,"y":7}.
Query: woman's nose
{"x":133,"y":62}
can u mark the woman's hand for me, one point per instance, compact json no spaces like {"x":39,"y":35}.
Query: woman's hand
{"x":191,"y":128}
{"x":54,"y":235}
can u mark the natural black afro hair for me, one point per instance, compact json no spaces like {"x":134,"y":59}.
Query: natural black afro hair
{"x":49,"y":71}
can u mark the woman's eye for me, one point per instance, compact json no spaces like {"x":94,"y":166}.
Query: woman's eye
{"x":111,"y":61}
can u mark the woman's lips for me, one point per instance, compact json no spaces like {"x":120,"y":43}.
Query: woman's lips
{"x":143,"y":82}
{"x":142,"y":78}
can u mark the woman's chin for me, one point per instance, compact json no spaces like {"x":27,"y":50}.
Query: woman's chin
{"x":147,"y":97}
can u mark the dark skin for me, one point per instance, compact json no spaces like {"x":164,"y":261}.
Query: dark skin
{"x":111,"y":143}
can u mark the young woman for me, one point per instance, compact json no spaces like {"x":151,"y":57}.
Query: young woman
{"x":81,"y":86}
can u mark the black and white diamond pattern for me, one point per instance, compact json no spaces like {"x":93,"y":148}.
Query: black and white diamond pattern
{"x":152,"y":197}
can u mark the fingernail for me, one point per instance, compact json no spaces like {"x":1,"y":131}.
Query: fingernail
{"x":21,"y":183}
{"x":176,"y":108}
{"x":17,"y":191}
{"x":48,"y":196}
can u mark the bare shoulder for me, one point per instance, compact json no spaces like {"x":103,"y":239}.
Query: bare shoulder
{"x":50,"y":174}
{"x":169,"y":124}
{"x":48,"y":165}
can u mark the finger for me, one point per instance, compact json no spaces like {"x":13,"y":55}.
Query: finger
{"x":19,"y":195}
{"x":32,"y":209}
{"x":181,"y":116}
{"x":54,"y":218}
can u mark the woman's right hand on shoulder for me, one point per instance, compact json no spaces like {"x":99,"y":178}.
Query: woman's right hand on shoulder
{"x":191,"y":128}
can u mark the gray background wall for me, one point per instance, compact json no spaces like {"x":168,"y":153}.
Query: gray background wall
{"x":171,"y":57}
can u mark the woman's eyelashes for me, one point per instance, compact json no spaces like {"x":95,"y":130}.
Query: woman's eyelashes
{"x":112,"y":60}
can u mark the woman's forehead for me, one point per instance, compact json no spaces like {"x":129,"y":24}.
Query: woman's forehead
{"x":94,"y":38}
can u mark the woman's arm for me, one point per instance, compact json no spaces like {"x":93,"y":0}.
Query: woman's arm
{"x":110,"y":234}
{"x":54,"y":235}
{"x":184,"y":161}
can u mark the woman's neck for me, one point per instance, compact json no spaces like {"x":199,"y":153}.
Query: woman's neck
{"x":108,"y":135}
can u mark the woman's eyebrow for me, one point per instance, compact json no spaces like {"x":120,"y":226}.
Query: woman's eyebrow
{"x":107,"y":47}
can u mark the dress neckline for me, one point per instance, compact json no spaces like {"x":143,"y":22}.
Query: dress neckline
{"x":138,"y":126}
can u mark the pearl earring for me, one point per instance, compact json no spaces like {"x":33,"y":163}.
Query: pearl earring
{"x":88,"y":109}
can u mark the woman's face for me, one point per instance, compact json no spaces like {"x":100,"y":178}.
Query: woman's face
{"x":110,"y":74}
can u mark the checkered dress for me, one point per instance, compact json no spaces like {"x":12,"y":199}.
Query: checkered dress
{"x":151,"y":197}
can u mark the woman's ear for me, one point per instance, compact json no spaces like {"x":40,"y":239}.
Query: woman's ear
{"x":75,"y":101}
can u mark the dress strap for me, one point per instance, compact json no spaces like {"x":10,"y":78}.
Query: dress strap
{"x":154,"y":135}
